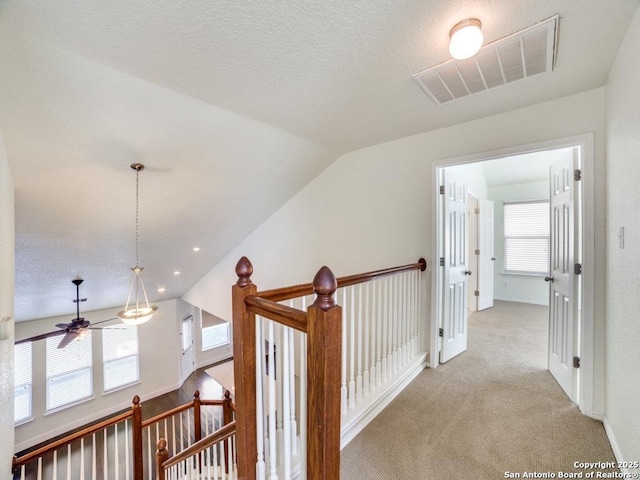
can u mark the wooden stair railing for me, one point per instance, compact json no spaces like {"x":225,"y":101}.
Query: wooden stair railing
{"x":137,"y":428}
{"x":322,"y":323}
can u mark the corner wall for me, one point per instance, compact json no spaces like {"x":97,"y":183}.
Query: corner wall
{"x":622,"y":415}
{"x":373,"y":208}
{"x":6,"y":313}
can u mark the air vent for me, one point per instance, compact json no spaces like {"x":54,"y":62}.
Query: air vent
{"x":529,"y":52}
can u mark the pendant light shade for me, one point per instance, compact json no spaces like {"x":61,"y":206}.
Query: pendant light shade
{"x":465,"y":38}
{"x":135,"y":312}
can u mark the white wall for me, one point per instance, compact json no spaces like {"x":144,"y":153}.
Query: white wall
{"x":623,"y":276}
{"x":512,"y":288}
{"x":372,"y":208}
{"x":6,"y":313}
{"x":159,"y":347}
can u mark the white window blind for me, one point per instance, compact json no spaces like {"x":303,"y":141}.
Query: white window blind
{"x":526,"y":237}
{"x":22,"y":382}
{"x":69,"y":375}
{"x":120,"y":356}
{"x":215,"y":335}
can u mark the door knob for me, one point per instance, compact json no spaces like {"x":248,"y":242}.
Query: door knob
{"x":467,"y":272}
{"x":493,"y":259}
{"x":548,"y":279}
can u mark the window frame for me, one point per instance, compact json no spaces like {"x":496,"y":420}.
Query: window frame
{"x":27,"y":386}
{"x":110,"y":361}
{"x":505,"y":238}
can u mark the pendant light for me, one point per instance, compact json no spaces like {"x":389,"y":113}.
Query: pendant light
{"x":465,"y":38}
{"x":135,"y":313}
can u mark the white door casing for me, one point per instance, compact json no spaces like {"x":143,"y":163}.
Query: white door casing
{"x":562,"y":285}
{"x":472,"y":230}
{"x":485,"y":258}
{"x":454,"y":318}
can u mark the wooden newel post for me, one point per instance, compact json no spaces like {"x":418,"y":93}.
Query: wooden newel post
{"x":324,"y":353}
{"x":197,"y":427}
{"x":244,"y":369}
{"x":227,"y":409}
{"x":136,"y":439}
{"x":162,"y":455}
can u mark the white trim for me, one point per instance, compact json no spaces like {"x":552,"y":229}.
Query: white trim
{"x":628,"y":472}
{"x":516,"y":300}
{"x":585,"y":142}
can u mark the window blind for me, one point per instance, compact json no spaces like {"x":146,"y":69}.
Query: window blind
{"x":120,"y":356}
{"x":526,"y":237}
{"x":22,"y":367}
{"x":69,"y":375}
{"x":215,"y":335}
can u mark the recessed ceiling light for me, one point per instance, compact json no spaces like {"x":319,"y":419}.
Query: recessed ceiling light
{"x":177,"y":272}
{"x":162,"y":290}
{"x":196,"y":249}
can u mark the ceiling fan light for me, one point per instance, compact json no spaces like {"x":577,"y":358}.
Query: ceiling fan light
{"x":465,"y":39}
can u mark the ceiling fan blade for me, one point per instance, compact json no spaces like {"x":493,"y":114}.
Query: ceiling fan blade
{"x":62,"y":325}
{"x":68,"y":338}
{"x":40,"y":337}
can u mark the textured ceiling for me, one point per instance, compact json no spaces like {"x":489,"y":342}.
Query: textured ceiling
{"x":234,"y":107}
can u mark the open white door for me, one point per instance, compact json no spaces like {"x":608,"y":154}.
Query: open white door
{"x":485,"y":256}
{"x":188,"y":355}
{"x":454,"y":318}
{"x":562,"y":299}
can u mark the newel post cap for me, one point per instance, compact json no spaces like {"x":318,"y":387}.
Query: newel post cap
{"x":324,"y":285}
{"x":244,"y":270}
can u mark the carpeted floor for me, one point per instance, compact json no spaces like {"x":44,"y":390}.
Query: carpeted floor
{"x":492,"y":411}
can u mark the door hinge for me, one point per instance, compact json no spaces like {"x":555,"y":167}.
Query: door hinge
{"x":577,"y":175}
{"x":477,"y":211}
{"x":441,"y":189}
{"x":442,"y":261}
{"x":576,"y":362}
{"x":476,"y":293}
{"x":477,"y":252}
{"x":440,"y":332}
{"x":577,"y":269}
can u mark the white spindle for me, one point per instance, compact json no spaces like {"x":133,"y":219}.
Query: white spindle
{"x":286,"y":401}
{"x":278,"y":381}
{"x":303,"y":405}
{"x":367,"y":339}
{"x":351,"y":345}
{"x":54,"y":475}
{"x":93,"y":457}
{"x":69,"y":461}
{"x":292,"y":373}
{"x":105,"y":462}
{"x":23,"y":472}
{"x":149,"y":459}
{"x":360,"y":335}
{"x":82,"y":458}
{"x":260,"y":466}
{"x":343,"y":389}
{"x":39,"y":468}
{"x":116,"y":458}
{"x":272,"y":409}
{"x":379,"y":334}
{"x":127,"y":453}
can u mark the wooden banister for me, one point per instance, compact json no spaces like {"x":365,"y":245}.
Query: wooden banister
{"x":218,"y":436}
{"x":287,"y":293}
{"x":288,"y":316}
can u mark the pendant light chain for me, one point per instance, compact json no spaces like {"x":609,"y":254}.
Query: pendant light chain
{"x":137,"y":202}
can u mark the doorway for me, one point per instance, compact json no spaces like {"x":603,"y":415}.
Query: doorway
{"x":581,"y":337}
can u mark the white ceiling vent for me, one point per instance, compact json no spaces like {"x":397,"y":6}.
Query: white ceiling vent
{"x":523,"y":54}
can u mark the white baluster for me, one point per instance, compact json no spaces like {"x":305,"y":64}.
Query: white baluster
{"x":379,"y":333}
{"x":343,"y":389}
{"x":93,"y":457}
{"x":385,"y":330}
{"x":286,"y":401}
{"x":116,"y":458}
{"x":23,"y":472}
{"x":352,"y":348}
{"x":54,"y":475}
{"x":292,"y":402}
{"x":393,"y":324}
{"x":39,"y":468}
{"x":105,"y":463}
{"x":69,"y":462}
{"x":303,"y":405}
{"x":278,"y":381}
{"x":260,"y":466}
{"x":272,"y":408}
{"x":359,"y":343}
{"x":82,"y":458}
{"x":405,"y":319}
{"x":367,"y":339}
{"x":127,"y":459}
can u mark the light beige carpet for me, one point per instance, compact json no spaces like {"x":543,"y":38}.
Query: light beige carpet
{"x":493,"y":409}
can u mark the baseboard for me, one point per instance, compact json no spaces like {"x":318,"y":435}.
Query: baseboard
{"x":355,"y":425}
{"x":545,"y":304}
{"x":628,"y":472}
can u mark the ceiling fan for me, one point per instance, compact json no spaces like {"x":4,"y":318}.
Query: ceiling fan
{"x":73,"y":329}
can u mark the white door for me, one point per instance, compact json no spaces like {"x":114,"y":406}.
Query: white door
{"x":485,"y":255}
{"x":188,"y":356}
{"x":454,"y":318}
{"x":473,"y":247}
{"x":562,"y":295}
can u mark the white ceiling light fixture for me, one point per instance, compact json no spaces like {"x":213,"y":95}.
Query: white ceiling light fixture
{"x":137,"y":313}
{"x":465,"y":38}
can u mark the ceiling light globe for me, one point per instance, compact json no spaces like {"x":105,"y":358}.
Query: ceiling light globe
{"x":466,"y":39}
{"x":137,"y":316}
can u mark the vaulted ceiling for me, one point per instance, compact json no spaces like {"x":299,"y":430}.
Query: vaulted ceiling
{"x":233,"y":107}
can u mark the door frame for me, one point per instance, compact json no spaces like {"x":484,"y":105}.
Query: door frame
{"x":586,"y":384}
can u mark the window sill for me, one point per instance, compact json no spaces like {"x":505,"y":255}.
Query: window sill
{"x":121,"y":387}
{"x":23,"y":421}
{"x":69,"y":405}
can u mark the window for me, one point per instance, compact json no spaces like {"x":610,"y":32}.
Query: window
{"x":526,"y":237}
{"x":120,"y":356}
{"x":69,"y":376}
{"x":22,"y":376}
{"x":215,"y":331}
